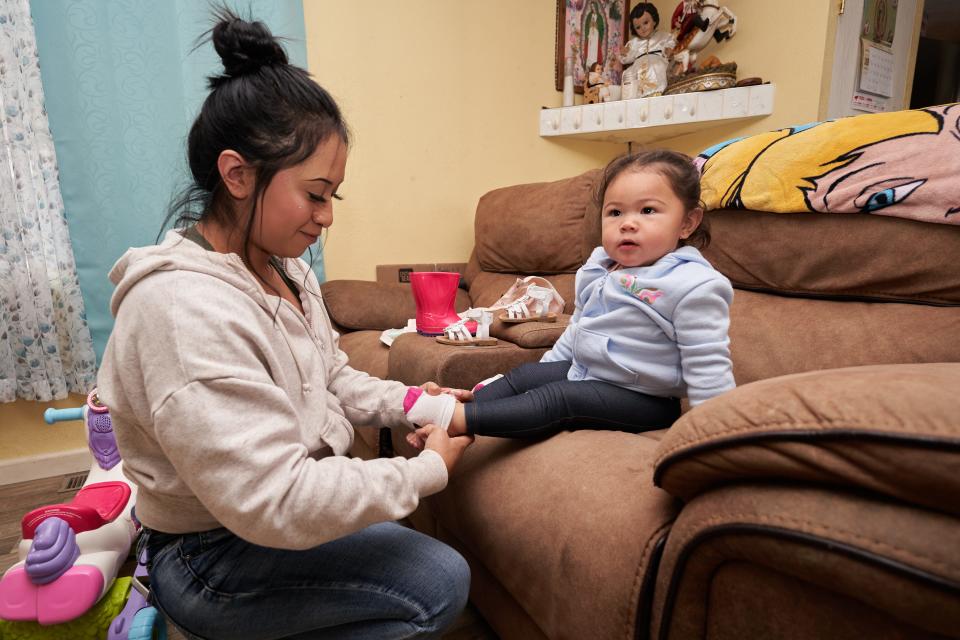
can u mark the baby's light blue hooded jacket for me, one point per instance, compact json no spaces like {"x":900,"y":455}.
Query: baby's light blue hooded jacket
{"x":659,"y":329}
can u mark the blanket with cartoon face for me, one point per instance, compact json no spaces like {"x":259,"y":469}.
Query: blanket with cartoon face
{"x":904,"y":163}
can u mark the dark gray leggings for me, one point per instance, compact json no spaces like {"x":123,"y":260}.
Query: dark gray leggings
{"x":536,"y":400}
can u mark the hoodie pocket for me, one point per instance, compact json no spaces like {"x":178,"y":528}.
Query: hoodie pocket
{"x":592,"y":351}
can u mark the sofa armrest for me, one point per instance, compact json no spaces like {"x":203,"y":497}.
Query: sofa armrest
{"x":359,"y":304}
{"x":889,"y":429}
{"x":415,"y":359}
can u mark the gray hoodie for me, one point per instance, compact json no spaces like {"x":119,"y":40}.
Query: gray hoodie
{"x":232,"y":409}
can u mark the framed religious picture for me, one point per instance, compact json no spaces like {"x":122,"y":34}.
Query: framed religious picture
{"x":591,"y":32}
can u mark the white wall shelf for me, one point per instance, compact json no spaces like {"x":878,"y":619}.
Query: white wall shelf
{"x":651,"y":119}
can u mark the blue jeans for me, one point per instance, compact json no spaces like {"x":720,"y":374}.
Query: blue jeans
{"x":385,"y":581}
{"x":536,"y":400}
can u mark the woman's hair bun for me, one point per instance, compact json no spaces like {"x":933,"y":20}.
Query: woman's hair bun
{"x":245,"y":46}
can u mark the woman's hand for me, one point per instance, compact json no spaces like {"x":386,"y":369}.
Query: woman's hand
{"x":450,"y":449}
{"x":434,"y":389}
{"x":462,"y":395}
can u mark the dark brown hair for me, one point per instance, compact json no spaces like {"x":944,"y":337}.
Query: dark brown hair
{"x":639,"y":10}
{"x":269,"y":111}
{"x":680,"y":172}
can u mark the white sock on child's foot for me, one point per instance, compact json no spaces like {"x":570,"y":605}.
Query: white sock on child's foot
{"x":422,"y":408}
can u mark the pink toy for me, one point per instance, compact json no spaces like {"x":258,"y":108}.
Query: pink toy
{"x":71,"y":553}
{"x":94,"y":506}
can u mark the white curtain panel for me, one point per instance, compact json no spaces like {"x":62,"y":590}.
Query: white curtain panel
{"x":45,"y":345}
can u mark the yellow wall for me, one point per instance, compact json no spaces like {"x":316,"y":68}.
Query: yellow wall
{"x":442,"y":97}
{"x":782,"y":41}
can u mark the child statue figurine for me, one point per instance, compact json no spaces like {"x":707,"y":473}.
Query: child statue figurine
{"x":647,"y":53}
{"x":594,"y":86}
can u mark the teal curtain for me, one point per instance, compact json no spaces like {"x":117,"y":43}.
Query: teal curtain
{"x":123,"y":84}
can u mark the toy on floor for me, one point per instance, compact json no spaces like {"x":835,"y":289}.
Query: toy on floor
{"x":92,"y":625}
{"x":138,"y":620}
{"x":71,"y":553}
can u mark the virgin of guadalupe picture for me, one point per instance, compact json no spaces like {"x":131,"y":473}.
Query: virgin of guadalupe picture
{"x":590,"y":32}
{"x":594,"y":32}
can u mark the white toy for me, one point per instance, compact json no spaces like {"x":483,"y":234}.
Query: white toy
{"x":71,"y":553}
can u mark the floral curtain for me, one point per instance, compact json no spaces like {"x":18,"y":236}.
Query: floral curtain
{"x":45,"y":345}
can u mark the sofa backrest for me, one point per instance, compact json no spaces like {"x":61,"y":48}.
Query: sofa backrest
{"x":814,"y":291}
{"x":546,"y":228}
{"x":819,"y":291}
{"x":850,"y":256}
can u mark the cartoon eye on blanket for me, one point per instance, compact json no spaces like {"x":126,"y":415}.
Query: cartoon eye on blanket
{"x":901,"y":164}
{"x":877,"y":196}
{"x":893,"y":176}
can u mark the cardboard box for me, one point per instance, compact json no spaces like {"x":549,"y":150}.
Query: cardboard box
{"x":390,"y":273}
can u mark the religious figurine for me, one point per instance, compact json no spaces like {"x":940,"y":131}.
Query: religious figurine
{"x":647,"y":53}
{"x":695,"y":23}
{"x":593,"y":88}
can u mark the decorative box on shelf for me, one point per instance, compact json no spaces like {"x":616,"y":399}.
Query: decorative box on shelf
{"x":650,"y":119}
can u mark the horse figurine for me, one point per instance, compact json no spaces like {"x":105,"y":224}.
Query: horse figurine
{"x":695,"y":22}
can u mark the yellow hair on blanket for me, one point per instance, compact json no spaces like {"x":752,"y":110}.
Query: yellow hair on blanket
{"x":766,"y":172}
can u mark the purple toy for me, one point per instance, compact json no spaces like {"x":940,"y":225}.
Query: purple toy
{"x":53,"y":552}
{"x":100,"y":438}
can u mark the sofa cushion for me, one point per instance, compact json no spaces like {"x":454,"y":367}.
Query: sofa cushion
{"x":536,"y":228}
{"x":888,"y":429}
{"x":570,"y":526}
{"x":852,"y":256}
{"x":505,"y":616}
{"x":773,"y":335}
{"x":366,"y":352}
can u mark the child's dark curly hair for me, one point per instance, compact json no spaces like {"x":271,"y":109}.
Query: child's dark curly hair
{"x":680,"y":172}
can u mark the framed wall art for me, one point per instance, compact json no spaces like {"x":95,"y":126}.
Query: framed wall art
{"x":590,"y":31}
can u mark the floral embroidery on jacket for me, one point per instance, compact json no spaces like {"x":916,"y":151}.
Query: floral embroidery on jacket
{"x":648,"y":295}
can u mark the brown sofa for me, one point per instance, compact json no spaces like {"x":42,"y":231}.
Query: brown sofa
{"x":820,"y":499}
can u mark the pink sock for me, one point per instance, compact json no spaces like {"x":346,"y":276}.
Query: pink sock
{"x":422,"y":408}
